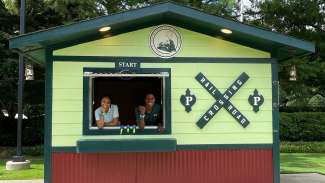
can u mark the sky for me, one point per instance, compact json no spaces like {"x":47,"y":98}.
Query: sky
{"x":247,"y":3}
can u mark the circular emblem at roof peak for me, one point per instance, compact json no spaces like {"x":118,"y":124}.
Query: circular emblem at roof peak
{"x":165,"y":41}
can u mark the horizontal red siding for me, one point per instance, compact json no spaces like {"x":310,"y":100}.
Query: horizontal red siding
{"x":190,"y":166}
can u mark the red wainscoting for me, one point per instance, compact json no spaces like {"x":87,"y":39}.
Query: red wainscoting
{"x":185,"y":166}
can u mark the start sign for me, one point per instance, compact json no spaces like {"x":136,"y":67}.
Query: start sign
{"x":127,"y":64}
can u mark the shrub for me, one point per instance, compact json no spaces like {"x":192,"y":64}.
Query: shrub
{"x":302,"y":126}
{"x":302,"y":147}
{"x":32,"y":131}
{"x":8,"y":152}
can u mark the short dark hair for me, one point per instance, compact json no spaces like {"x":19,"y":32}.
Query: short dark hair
{"x":149,"y":94}
{"x":105,"y":96}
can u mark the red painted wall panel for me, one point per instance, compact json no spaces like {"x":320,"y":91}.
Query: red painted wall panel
{"x":190,"y":166}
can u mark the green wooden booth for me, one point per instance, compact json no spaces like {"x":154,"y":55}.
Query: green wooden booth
{"x":215,"y":79}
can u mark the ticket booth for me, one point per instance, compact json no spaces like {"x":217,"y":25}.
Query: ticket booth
{"x":214,"y":79}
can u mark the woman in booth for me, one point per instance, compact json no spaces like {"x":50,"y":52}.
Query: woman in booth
{"x":107,"y":114}
{"x":149,"y":114}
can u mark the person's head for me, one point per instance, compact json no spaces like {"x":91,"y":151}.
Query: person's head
{"x":149,"y":99}
{"x":105,"y":102}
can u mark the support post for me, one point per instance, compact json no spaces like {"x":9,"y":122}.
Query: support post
{"x":19,"y":157}
{"x":19,"y":161}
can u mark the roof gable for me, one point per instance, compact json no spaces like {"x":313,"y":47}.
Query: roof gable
{"x":280,"y":46}
{"x":136,"y":44}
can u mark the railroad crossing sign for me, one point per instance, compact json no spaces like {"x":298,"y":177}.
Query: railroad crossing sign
{"x":222,"y":100}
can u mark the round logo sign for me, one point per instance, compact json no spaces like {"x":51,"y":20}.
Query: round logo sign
{"x":165,"y":41}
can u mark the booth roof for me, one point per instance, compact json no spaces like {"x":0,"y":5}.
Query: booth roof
{"x":280,"y":46}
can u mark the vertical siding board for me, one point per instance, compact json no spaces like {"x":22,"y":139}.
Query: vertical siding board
{"x":190,"y":166}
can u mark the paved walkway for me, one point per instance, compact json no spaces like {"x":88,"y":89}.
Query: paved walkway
{"x":285,"y":178}
{"x":303,"y":178}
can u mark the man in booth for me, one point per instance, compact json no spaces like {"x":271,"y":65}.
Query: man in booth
{"x":107,"y":114}
{"x":149,"y":114}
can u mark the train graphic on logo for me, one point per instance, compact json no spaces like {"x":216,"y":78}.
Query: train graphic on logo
{"x":165,"y":41}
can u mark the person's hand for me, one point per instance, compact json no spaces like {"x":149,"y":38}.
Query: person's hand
{"x":141,"y":125}
{"x":142,"y":109}
{"x":100,"y":123}
{"x":161,"y":129}
{"x":103,"y":110}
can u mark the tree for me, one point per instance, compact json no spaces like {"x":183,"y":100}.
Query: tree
{"x":226,"y":8}
{"x":39,"y":15}
{"x":304,"y":19}
{"x":8,"y":62}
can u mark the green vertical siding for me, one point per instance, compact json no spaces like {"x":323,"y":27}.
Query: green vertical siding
{"x":222,"y":129}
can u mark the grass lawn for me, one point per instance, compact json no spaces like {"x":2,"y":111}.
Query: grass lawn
{"x":35,"y":172}
{"x":303,"y":162}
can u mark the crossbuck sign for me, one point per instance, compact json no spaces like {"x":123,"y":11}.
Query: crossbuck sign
{"x":222,"y":100}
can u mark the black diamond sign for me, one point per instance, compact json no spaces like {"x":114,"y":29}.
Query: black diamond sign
{"x":222,"y":100}
{"x":188,"y":100}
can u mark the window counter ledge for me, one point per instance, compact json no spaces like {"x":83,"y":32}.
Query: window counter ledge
{"x":126,"y":145}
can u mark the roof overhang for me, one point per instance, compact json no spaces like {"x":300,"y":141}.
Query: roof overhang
{"x":280,"y":46}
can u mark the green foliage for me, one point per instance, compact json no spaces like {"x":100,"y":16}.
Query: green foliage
{"x":226,"y":8}
{"x":310,"y":81}
{"x":70,"y":11}
{"x":303,"y":19}
{"x":6,"y":152}
{"x":33,"y":132}
{"x":302,"y":126}
{"x":317,"y":101}
{"x":302,"y":147}
{"x":8,"y":62}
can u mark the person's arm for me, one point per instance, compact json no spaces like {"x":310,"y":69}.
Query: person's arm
{"x":160,"y":124}
{"x":115,"y":120}
{"x":159,"y":117}
{"x":140,"y":114}
{"x":99,"y":121}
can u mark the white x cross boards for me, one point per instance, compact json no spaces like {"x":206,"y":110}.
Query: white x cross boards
{"x":222,"y":100}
